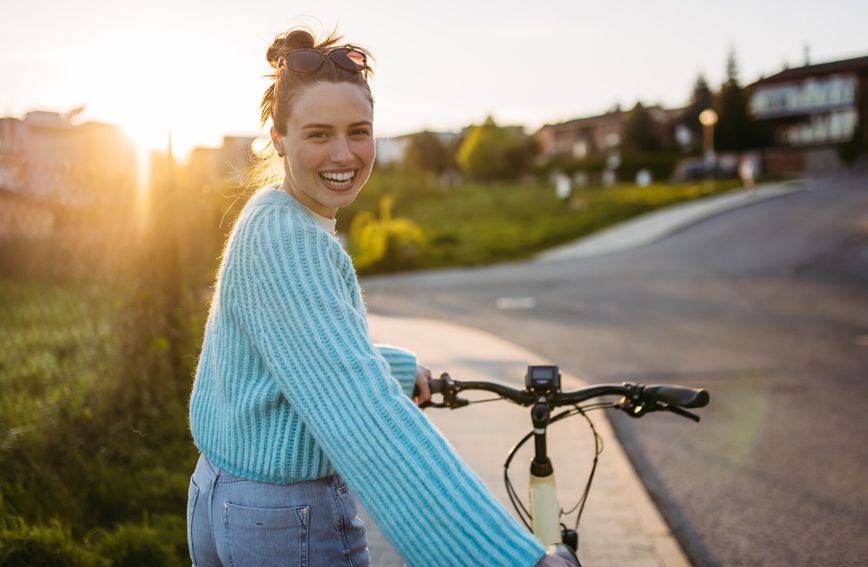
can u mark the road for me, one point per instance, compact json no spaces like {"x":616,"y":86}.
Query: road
{"x":766,"y":307}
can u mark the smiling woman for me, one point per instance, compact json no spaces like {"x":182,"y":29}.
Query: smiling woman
{"x":293,"y":409}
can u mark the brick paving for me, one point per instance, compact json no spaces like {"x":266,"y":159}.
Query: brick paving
{"x":620,"y":527}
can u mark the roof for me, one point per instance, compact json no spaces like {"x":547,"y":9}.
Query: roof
{"x":856,"y":64}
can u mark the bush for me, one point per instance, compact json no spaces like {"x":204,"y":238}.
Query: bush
{"x":131,"y":545}
{"x":49,"y":545}
{"x":661,"y":165}
{"x":386,"y":243}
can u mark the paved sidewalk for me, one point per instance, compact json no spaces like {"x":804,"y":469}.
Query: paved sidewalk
{"x":621,"y":526}
{"x":658,"y":224}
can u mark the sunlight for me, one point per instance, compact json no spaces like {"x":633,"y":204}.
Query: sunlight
{"x":147,"y":133}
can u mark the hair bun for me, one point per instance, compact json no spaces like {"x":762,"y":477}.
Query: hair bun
{"x":286,"y":42}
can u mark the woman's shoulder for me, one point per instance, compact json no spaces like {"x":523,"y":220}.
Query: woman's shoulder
{"x":273,"y":214}
{"x":269,"y":196}
{"x":275,"y":208}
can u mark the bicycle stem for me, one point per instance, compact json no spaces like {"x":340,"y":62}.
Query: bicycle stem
{"x":544,"y":507}
{"x":541,"y":465}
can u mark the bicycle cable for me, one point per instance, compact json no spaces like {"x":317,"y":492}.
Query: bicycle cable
{"x":523,"y":513}
{"x":598,"y":449}
{"x":498,"y":399}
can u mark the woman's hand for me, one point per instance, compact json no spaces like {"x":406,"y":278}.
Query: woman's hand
{"x":552,"y":561}
{"x":423,"y":374}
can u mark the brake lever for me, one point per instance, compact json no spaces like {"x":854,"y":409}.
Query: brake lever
{"x":451,"y":402}
{"x":635,"y":410}
{"x":678,"y":411}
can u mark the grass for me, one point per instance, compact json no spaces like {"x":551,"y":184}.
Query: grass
{"x":57,"y":341}
{"x":479,"y":224}
{"x":78,"y":455}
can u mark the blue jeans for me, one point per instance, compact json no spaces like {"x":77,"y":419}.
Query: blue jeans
{"x":232,"y":521}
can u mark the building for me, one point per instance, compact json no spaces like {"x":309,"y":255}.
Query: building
{"x":594,"y":135}
{"x":48,"y":162}
{"x":46,"y":156}
{"x":810,"y":111}
{"x":392,"y":151}
{"x":212,"y":169}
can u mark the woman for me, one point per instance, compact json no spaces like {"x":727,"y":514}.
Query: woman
{"x":289,"y":390}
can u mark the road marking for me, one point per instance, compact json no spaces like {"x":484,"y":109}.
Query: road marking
{"x":515,"y":303}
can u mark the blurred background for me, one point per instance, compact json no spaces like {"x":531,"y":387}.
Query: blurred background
{"x":128,"y":134}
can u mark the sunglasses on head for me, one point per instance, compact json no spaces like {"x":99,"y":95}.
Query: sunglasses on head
{"x":309,"y":60}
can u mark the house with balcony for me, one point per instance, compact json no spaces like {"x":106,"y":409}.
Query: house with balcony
{"x":810,"y":111}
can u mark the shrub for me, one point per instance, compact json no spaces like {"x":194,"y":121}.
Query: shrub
{"x":23,"y":545}
{"x":661,"y":165}
{"x":386,"y":243}
{"x":131,"y":545}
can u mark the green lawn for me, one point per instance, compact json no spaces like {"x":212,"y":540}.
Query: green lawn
{"x":479,"y":224}
{"x":80,"y":485}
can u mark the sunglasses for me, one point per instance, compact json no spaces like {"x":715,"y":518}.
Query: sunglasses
{"x":309,"y":60}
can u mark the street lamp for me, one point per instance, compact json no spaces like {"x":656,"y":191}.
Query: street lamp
{"x":708,"y":118}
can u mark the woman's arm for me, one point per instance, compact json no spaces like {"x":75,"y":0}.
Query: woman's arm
{"x":293,"y":302}
{"x":403,"y":365}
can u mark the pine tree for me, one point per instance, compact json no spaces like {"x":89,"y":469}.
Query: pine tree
{"x":735,"y":129}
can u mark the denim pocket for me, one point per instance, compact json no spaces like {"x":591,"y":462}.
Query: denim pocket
{"x":352,"y":528}
{"x":192,"y":497}
{"x":266,"y":536}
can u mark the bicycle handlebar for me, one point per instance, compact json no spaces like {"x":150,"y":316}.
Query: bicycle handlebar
{"x":637,"y":399}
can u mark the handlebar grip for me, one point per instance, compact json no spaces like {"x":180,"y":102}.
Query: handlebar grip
{"x":681,"y":396}
{"x":436,"y":385}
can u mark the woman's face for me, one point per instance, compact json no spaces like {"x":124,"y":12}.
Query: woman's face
{"x":329,"y":146}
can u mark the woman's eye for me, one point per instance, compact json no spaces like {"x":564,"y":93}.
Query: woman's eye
{"x":361,"y":132}
{"x":316,"y":135}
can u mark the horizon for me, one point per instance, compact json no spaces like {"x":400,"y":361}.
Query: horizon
{"x":144,"y":70}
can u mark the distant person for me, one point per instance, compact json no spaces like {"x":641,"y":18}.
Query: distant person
{"x":293,"y":409}
{"x":746,"y":173}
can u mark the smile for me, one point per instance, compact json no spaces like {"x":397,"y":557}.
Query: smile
{"x":338,"y":180}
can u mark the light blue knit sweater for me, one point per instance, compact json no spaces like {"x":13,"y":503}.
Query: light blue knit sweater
{"x":290,"y":388}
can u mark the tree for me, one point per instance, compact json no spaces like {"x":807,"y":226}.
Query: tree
{"x":735,"y":129}
{"x":700,"y":99}
{"x":490,"y":152}
{"x":641,"y":132}
{"x":426,"y":152}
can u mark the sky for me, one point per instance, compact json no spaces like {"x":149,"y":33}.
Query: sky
{"x":196,"y":68}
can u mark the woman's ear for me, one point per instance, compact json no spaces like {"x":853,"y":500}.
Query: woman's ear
{"x":278,"y":143}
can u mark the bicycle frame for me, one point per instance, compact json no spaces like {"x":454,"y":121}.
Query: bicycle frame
{"x":545,"y":517}
{"x":544,"y":509}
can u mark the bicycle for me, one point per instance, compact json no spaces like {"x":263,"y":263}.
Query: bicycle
{"x":543,"y":393}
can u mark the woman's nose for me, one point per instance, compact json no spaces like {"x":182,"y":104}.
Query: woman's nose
{"x":341,"y":152}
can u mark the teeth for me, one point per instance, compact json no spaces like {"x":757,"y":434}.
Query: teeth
{"x":338,"y":176}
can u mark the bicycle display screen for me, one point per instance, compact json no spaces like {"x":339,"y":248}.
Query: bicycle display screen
{"x":543,"y":377}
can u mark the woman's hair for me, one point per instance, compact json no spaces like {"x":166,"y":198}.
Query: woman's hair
{"x":287,"y":85}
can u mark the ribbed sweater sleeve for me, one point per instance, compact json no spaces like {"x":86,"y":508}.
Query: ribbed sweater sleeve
{"x":299,"y":306}
{"x":402,"y":364}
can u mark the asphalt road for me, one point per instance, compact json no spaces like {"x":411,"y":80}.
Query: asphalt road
{"x":767,"y":308}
